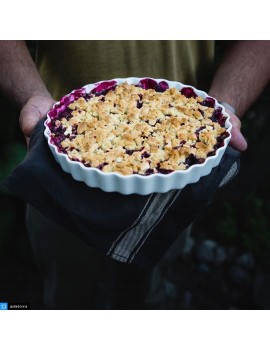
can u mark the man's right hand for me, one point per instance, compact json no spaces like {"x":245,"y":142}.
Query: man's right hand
{"x":35,"y":108}
{"x":21,"y":83}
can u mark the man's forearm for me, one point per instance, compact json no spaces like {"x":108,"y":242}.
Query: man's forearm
{"x":243,"y":74}
{"x":19,"y":78}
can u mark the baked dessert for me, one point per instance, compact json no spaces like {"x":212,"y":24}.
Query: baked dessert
{"x":141,"y":128}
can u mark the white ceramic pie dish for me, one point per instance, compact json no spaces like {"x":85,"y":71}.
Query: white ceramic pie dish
{"x":135,"y":183}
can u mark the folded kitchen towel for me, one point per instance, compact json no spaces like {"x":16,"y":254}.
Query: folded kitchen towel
{"x":136,"y":229}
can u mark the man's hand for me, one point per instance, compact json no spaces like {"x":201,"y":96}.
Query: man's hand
{"x":238,"y":142}
{"x":241,"y":77}
{"x":35,"y":108}
{"x":21,"y":83}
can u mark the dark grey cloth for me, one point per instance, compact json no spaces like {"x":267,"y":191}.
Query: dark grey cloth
{"x":129,"y":228}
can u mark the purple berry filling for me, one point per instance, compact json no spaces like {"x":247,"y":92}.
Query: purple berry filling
{"x":149,"y":83}
{"x":149,"y":172}
{"x":61,"y":110}
{"x":180,"y":145}
{"x":102,"y":165}
{"x":188,"y":92}
{"x":209,"y":102}
{"x":62,"y":106}
{"x":164,"y":171}
{"x":104,"y":87}
{"x":219,"y":117}
{"x":162,"y":86}
{"x":198,"y":131}
{"x":145,"y":154}
{"x":139,"y":104}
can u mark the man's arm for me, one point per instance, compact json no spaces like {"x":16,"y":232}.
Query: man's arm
{"x":240,"y":79}
{"x":20,"y":83}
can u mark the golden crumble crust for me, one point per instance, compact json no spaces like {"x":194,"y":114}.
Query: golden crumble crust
{"x":133,"y":130}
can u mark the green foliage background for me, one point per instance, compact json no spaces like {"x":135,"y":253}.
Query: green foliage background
{"x":240,"y":213}
{"x":12,"y":152}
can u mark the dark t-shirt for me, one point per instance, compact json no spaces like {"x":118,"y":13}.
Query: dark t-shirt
{"x":66,"y":65}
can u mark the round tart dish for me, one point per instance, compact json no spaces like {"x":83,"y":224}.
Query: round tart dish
{"x":138,"y":135}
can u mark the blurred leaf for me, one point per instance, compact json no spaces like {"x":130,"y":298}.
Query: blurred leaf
{"x":227,"y":225}
{"x":13,"y":155}
{"x":247,"y":225}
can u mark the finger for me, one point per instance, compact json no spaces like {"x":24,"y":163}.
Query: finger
{"x":34,"y":109}
{"x":237,"y":141}
{"x":29,"y":117}
{"x":27,"y":140}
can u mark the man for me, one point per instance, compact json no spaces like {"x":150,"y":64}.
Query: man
{"x":63,"y":66}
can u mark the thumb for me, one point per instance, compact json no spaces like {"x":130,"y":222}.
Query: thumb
{"x":238,"y":141}
{"x":34,"y":109}
{"x":29,"y":117}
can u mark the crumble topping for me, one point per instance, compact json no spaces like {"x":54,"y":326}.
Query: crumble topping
{"x":132,"y":130}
